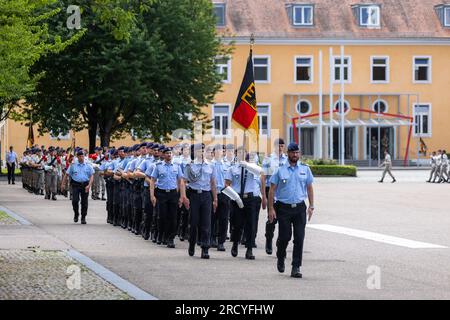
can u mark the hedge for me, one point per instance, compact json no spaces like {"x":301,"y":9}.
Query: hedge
{"x":333,"y":170}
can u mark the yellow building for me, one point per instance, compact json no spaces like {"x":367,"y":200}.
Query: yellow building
{"x":396,"y":74}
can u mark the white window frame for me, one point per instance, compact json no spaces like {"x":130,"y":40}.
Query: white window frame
{"x":388,"y":70}
{"x":298,"y":109}
{"x":219,"y":4}
{"x":430,"y":73}
{"x":269,"y":67}
{"x":380,"y":100}
{"x":297,"y":65}
{"x":269,"y":118}
{"x":430,"y":113}
{"x":60,"y":137}
{"x":302,"y":7}
{"x":337,"y":112}
{"x":369,"y":24}
{"x":228,"y":65}
{"x":228,"y":134}
{"x":349,"y":80}
{"x":446,"y":23}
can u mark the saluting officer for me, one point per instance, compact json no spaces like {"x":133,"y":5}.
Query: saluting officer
{"x":202,"y":194}
{"x":290,"y":185}
{"x":167,"y":177}
{"x":243,"y":181}
{"x":270,"y":165}
{"x":82,"y":177}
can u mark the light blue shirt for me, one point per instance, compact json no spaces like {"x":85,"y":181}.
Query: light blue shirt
{"x":147,"y":167}
{"x":207,"y":172}
{"x":105,"y":165}
{"x":234,"y":175}
{"x":272,"y":163}
{"x":11,"y":157}
{"x":219,"y":174}
{"x":167,"y":175}
{"x":291,"y":182}
{"x":117,"y":164}
{"x":80,"y":172}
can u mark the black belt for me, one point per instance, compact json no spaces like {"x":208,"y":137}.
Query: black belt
{"x":197,"y":191}
{"x":166,"y":190}
{"x":247,"y":195}
{"x":80,"y":184}
{"x":286,"y":205}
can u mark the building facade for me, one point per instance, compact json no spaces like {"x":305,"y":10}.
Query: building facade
{"x":395,"y":84}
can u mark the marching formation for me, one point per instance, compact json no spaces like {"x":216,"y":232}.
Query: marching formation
{"x":439,"y":167}
{"x":207,"y":195}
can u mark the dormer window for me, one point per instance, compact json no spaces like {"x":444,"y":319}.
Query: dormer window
{"x":447,"y":16}
{"x":219,"y":13}
{"x":303,"y":15}
{"x":443,"y":12}
{"x":369,"y":16}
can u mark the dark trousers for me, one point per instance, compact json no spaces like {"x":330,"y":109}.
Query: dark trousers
{"x":109,"y":200}
{"x":219,"y":221}
{"x":137,"y":210}
{"x":11,"y":174}
{"x":200,"y":217}
{"x":270,"y":226}
{"x":183,"y":221}
{"x":148,"y":214}
{"x":244,"y":218}
{"x":79,"y":191}
{"x":167,"y":205}
{"x":117,"y":210}
{"x":291,"y":218}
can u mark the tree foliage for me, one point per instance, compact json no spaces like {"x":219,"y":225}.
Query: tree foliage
{"x":152,"y":81}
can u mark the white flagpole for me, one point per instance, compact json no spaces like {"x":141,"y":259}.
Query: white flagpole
{"x":320,"y":106}
{"x":342,"y":142}
{"x":331,"y":103}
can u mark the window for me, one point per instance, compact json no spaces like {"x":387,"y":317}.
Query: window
{"x":223,"y":67}
{"x":422,"y":119}
{"x":347,"y":69}
{"x":447,"y":16}
{"x":303,"y":107}
{"x":379,"y":69}
{"x":369,"y":16}
{"x":337,"y":107}
{"x":304,"y":69}
{"x":60,"y":136}
{"x":221,"y":116}
{"x":422,"y":70}
{"x":261,"y":69}
{"x":380,"y":106}
{"x":303,"y":15}
{"x":219,"y":13}
{"x":264,"y":119}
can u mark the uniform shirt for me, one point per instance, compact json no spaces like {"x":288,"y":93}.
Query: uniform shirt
{"x":185,"y":162}
{"x":291,"y":182}
{"x":131,"y":165}
{"x":167,"y":175}
{"x":117,"y":164}
{"x":147,"y":167}
{"x":272,"y":163}
{"x":80,"y":172}
{"x":228,"y":163}
{"x":219,"y":174}
{"x":433,"y":161}
{"x":387,"y":160}
{"x":234,"y":175}
{"x":54,"y":166}
{"x":11,"y":157}
{"x":444,"y":160}
{"x":207,"y":172}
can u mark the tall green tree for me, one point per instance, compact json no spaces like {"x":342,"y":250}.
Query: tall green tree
{"x":24,"y":38}
{"x":153,"y":82}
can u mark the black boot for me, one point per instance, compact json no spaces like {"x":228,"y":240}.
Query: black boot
{"x":191,"y":249}
{"x":280,"y":265}
{"x":220,"y":247}
{"x":234,"y":249}
{"x":249,"y":254}
{"x":170,"y":244}
{"x":54,"y":196}
{"x":295,"y":273}
{"x":269,"y":246}
{"x":205,"y":254}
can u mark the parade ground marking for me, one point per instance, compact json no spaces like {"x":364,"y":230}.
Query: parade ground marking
{"x":378,"y":237}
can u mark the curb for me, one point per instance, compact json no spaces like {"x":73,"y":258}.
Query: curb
{"x":17,"y":217}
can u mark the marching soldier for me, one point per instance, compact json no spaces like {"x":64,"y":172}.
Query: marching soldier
{"x":270,"y":165}
{"x":117,"y":189}
{"x":37,"y":163}
{"x":183,"y":213}
{"x":99,"y":182}
{"x":82,"y":177}
{"x":202,"y":194}
{"x":51,"y":174}
{"x":387,"y":167}
{"x":438,"y":165}
{"x":109,"y":181}
{"x":242,"y":179}
{"x":433,"y":161}
{"x":443,"y":175}
{"x":289,"y":207}
{"x":167,"y":178}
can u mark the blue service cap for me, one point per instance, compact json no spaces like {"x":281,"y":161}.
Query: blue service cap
{"x":166,"y":149}
{"x":293,"y":147}
{"x":155,"y":146}
{"x":150,"y":145}
{"x":121,"y":148}
{"x":80,"y":152}
{"x":161,"y":147}
{"x":143,"y":144}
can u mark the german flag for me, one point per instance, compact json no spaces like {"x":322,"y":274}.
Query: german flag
{"x":245,"y":111}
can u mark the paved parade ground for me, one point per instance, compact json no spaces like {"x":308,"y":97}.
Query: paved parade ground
{"x":366,"y":241}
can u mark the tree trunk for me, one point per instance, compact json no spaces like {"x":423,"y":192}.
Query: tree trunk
{"x":93,"y":125}
{"x":105,"y":138}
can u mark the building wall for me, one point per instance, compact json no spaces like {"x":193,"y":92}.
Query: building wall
{"x":401,"y":81}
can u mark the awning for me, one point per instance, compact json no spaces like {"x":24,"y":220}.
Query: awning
{"x":355,"y":123}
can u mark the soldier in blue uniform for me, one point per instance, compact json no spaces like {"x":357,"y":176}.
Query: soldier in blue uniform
{"x":202,"y":194}
{"x":290,"y":185}
{"x":167,"y":188}
{"x":82,"y":177}
{"x":270,"y":165}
